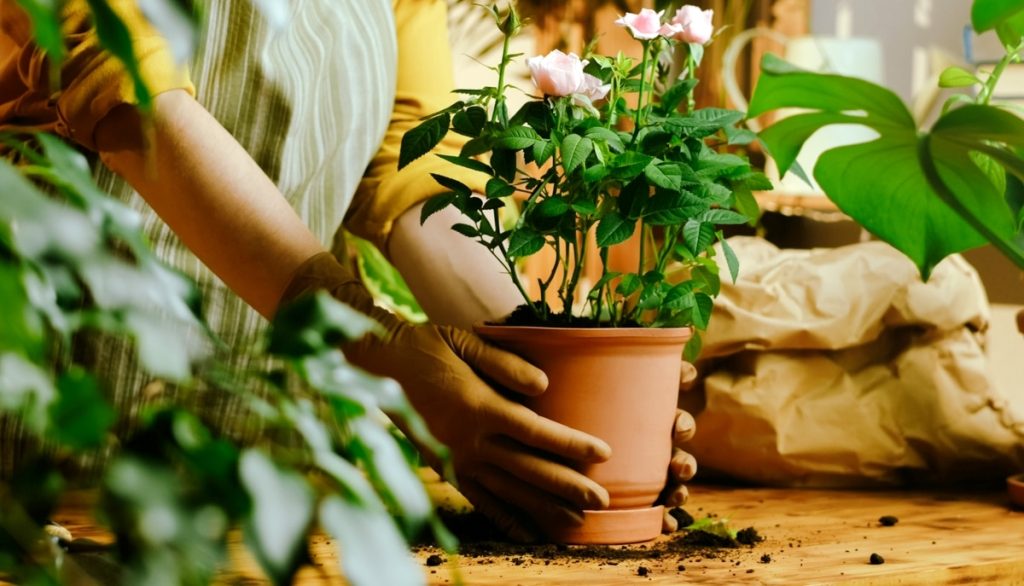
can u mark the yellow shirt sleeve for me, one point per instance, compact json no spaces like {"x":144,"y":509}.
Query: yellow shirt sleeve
{"x":424,"y":86}
{"x":93,"y":82}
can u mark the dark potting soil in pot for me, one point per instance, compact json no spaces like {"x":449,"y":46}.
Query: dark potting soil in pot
{"x":482,"y":543}
{"x":524,"y":316}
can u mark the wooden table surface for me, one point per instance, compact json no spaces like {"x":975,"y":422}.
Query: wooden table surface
{"x":812,"y":537}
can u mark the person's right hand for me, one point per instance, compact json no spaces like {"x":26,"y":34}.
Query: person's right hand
{"x":515,"y":466}
{"x":508,"y":460}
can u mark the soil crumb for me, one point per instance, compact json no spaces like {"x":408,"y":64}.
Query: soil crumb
{"x":888,"y":520}
{"x":683,"y":518}
{"x":876,"y":560}
{"x":749,"y":536}
{"x":643,"y":571}
{"x":434,"y":560}
{"x":766,"y":559}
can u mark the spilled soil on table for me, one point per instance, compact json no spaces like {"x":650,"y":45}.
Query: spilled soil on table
{"x":482,"y":543}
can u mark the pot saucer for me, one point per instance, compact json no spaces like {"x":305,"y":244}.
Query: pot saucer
{"x":614,"y":527}
{"x":1015,"y":486}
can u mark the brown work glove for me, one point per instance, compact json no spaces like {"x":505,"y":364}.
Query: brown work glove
{"x":506,"y":457}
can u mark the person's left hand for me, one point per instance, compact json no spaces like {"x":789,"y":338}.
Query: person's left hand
{"x":683,"y":465}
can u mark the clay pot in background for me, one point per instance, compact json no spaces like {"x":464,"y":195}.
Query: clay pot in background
{"x":618,"y":384}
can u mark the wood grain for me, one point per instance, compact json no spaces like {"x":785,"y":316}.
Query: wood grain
{"x":812,"y":536}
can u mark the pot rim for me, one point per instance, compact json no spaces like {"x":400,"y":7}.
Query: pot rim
{"x":503,"y":331}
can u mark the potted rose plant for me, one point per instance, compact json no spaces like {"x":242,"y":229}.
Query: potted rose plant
{"x":610,"y":147}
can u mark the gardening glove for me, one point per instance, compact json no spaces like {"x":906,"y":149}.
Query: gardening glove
{"x":507,"y":459}
{"x":683,"y":465}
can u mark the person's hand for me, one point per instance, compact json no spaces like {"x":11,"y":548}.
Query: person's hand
{"x":508,"y":460}
{"x":683,"y":466}
{"x":512,"y":464}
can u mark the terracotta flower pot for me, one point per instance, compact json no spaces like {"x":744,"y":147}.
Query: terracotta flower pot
{"x":618,"y":384}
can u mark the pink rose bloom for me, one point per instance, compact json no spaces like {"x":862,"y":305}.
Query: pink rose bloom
{"x":593,"y":89}
{"x":696,"y":24}
{"x":557,"y":74}
{"x":645,"y":26}
{"x":670,"y":30}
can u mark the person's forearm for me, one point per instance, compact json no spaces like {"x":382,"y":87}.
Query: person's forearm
{"x":211,"y":193}
{"x":454,"y":278}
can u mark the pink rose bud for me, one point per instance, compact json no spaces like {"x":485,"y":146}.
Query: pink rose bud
{"x":644,"y":26}
{"x":593,"y":89}
{"x":696,"y":24}
{"x":557,"y":74}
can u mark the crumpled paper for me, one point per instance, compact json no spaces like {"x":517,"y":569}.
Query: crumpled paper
{"x":839,"y":367}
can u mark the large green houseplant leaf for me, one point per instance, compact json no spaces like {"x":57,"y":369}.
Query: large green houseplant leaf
{"x":929,"y":194}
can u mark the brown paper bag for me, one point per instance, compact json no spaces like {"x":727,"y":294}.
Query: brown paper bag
{"x":839,"y":367}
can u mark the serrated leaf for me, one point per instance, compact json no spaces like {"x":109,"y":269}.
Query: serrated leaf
{"x":702,"y":310}
{"x":607,"y":136}
{"x":422,"y":139}
{"x":468,"y":163}
{"x":669,"y":208}
{"x":595,"y":173}
{"x":632,"y":199}
{"x":693,"y":347}
{"x":524,"y":242}
{"x":584,"y":207}
{"x":672,"y":97}
{"x":575,"y":150}
{"x":698,"y":236}
{"x":720,"y":216}
{"x":628,"y":285}
{"x":517,"y":138}
{"x":613,"y":229}
{"x":542,"y":151}
{"x":455,"y":185}
{"x":658,"y":177}
{"x":469,"y":122}
{"x":552,"y":207}
{"x":435,"y":204}
{"x":498,"y":188}
{"x":466,"y":230}
{"x":629,"y":164}
{"x":731,"y":259}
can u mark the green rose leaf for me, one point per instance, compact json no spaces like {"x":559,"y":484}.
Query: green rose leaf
{"x":435,"y":204}
{"x":524,"y":242}
{"x":730,"y":259}
{"x":613,"y":229}
{"x":469,"y":122}
{"x":498,"y":188}
{"x":468,"y":163}
{"x":517,"y":138}
{"x":422,"y":139}
{"x":575,"y":150}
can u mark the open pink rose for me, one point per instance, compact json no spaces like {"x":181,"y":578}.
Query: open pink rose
{"x":696,"y":24}
{"x":592,"y":88}
{"x":645,"y":26}
{"x":557,"y":74}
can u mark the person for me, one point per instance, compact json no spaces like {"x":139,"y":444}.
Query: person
{"x":295,"y":130}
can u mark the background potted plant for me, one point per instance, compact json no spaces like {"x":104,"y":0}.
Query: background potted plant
{"x":613,"y":147}
{"x":931,"y":193}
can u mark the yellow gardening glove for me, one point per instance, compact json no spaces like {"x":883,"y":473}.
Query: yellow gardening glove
{"x":507,"y":459}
